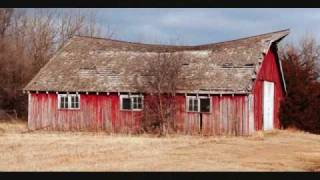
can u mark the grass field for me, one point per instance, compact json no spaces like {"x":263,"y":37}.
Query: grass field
{"x":51,"y":151}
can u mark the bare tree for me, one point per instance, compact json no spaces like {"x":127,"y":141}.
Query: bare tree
{"x":5,"y":19}
{"x":29,"y":38}
{"x":78,"y":22}
{"x":162,"y":77}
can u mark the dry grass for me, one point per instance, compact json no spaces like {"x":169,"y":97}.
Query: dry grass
{"x":50,"y":151}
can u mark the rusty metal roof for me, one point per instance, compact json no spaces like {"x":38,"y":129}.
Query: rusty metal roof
{"x":88,"y":64}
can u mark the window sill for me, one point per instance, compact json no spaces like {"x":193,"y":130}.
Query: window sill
{"x":196,"y":112}
{"x":131,"y":110}
{"x":74,"y":109}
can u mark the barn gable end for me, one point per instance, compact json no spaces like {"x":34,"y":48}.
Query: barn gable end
{"x":270,"y":71}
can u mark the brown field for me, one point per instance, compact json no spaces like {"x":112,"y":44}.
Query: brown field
{"x":278,"y":150}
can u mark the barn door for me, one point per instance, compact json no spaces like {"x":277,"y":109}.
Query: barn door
{"x":268,"y":105}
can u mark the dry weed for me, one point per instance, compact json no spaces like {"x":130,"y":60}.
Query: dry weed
{"x":277,"y":150}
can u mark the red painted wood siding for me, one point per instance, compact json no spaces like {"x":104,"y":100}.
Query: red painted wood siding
{"x":97,"y":112}
{"x":229,"y":115}
{"x":269,"y":71}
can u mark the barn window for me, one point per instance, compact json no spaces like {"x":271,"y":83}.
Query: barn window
{"x":204,"y":104}
{"x":63,"y":101}
{"x":198,"y":104}
{"x":193,"y":104}
{"x":69,"y":101}
{"x":132,"y":102}
{"x":75,"y":104}
{"x":126,"y":103}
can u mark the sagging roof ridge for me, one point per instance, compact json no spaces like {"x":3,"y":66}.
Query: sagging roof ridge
{"x":184,"y":46}
{"x":271,"y":37}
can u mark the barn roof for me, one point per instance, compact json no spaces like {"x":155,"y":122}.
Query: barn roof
{"x":88,"y":64}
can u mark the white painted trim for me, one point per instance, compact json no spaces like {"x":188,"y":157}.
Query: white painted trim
{"x":251,"y":113}
{"x":59,"y":99}
{"x":268,"y":105}
{"x":131,"y":97}
{"x":29,"y":108}
{"x":69,"y":101}
{"x":198,"y":98}
{"x":282,"y":75}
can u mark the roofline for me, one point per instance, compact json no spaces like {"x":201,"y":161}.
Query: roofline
{"x":247,"y":37}
{"x":199,"y":45}
{"x":131,"y":42}
{"x":281,"y":71}
{"x":275,"y":42}
{"x":222,"y":92}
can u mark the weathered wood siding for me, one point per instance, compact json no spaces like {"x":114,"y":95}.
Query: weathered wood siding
{"x":229,"y":115}
{"x":97,"y":112}
{"x":269,"y":71}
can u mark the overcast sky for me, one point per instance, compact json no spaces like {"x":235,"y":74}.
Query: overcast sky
{"x":200,"y":26}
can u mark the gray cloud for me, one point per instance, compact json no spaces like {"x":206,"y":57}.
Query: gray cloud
{"x":201,"y":26}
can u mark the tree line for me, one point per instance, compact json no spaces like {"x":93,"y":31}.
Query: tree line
{"x":28,"y":39}
{"x":301,"y":106}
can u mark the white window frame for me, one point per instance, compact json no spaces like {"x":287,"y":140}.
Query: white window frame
{"x":193,"y":98}
{"x":198,"y":98}
{"x":69,"y":101}
{"x":131,"y":102}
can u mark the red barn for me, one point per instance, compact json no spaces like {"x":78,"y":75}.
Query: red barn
{"x":89,"y":85}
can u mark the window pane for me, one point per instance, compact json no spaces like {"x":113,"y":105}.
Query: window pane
{"x":195,"y":105}
{"x":74,"y":101}
{"x":140,"y":102}
{"x":135,"y":102}
{"x":72,"y":105}
{"x":134,"y":105}
{"x":190,"y":105}
{"x":77,"y":101}
{"x":61,"y":102}
{"x":65,"y":102}
{"x":205,"y":105}
{"x":126,"y":103}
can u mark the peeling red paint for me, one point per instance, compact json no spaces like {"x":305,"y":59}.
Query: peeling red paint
{"x":107,"y":115}
{"x":96,"y":112}
{"x":226,"y":117}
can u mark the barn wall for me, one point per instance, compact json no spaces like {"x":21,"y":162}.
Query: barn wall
{"x":269,"y":71}
{"x":97,"y":112}
{"x":229,"y":115}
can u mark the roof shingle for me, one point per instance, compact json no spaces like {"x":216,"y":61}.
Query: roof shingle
{"x":89,"y":64}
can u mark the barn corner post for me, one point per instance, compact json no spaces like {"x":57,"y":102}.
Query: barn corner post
{"x":29,"y":124}
{"x":251,"y":113}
